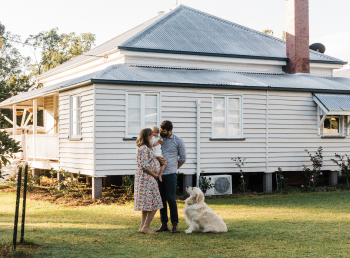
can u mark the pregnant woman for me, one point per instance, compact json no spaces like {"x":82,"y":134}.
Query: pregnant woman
{"x":146,"y":194}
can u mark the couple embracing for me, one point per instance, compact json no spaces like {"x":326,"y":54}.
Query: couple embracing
{"x":158,"y":160}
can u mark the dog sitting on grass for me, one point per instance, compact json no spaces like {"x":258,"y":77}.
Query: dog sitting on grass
{"x":199,"y":216}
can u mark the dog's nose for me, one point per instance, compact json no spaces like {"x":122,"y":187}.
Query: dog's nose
{"x":188,"y":186}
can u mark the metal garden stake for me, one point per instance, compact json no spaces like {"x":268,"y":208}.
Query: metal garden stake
{"x":19,"y":178}
{"x":24,"y":202}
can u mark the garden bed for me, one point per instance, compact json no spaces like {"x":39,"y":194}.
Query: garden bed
{"x":110,"y":196}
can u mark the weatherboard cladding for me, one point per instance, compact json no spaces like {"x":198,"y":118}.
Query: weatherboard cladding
{"x":136,"y":75}
{"x":333,"y":102}
{"x":187,"y":30}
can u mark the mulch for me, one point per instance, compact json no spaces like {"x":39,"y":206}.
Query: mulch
{"x":110,"y":196}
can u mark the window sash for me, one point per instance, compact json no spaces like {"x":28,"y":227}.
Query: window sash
{"x":75,"y":117}
{"x":227,"y":117}
{"x":328,"y":119}
{"x":149,"y":112}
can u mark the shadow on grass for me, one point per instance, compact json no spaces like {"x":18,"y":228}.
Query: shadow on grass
{"x":245,"y":237}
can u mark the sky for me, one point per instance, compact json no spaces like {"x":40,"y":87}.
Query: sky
{"x":329,"y":19}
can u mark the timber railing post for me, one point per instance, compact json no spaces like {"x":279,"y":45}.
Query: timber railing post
{"x":19,"y":178}
{"x":24,"y":202}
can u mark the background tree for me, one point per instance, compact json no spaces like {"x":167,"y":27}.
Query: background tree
{"x":55,"y":48}
{"x":13,"y":66}
{"x":268,"y":32}
{"x":284,"y":35}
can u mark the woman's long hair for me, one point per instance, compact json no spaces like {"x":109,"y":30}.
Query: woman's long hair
{"x":143,"y":138}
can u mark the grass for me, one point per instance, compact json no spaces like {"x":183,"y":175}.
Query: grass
{"x":292,"y":225}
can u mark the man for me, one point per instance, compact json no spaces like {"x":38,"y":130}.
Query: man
{"x":174,"y":152}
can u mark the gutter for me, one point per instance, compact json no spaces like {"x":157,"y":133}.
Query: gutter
{"x":76,"y":85}
{"x":170,"y":84}
{"x":200,"y":53}
{"x":219,"y":86}
{"x":221,"y":55}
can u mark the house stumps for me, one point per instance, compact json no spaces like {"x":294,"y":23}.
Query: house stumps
{"x":333,"y":178}
{"x":267,"y":182}
{"x":96,"y":187}
{"x":60,"y":178}
{"x":187,"y":181}
{"x":36,"y":175}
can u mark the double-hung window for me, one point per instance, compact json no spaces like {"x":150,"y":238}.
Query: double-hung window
{"x":142,"y":110}
{"x":75,"y":117}
{"x":227,"y":117}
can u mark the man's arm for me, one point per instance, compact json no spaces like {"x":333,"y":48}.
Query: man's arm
{"x":182,"y":153}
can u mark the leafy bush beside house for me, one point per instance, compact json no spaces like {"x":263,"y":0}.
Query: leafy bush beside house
{"x":317,"y":162}
{"x":343,"y":163}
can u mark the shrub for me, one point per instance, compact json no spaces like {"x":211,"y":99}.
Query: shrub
{"x":128,"y":184}
{"x":240,"y":162}
{"x":8,"y":148}
{"x":68,"y":186}
{"x":281,"y":180}
{"x":343,"y":162}
{"x":317,"y":162}
{"x":205,"y":183}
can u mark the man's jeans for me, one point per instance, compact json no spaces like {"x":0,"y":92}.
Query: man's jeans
{"x":167,"y":190}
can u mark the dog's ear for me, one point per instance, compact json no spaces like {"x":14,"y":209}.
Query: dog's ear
{"x":200,"y":197}
{"x":194,"y":197}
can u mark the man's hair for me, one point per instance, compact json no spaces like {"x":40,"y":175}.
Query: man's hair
{"x":167,"y":125}
{"x":143,"y":138}
{"x":155,"y":129}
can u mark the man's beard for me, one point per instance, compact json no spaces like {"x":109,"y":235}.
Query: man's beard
{"x":164,"y":135}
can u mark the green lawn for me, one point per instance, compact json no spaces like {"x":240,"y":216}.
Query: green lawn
{"x":293,"y":225}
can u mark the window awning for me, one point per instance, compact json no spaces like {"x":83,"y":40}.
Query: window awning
{"x":333,"y":104}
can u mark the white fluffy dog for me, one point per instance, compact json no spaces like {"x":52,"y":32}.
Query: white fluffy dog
{"x":198,"y":214}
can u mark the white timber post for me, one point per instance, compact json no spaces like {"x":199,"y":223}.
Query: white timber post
{"x":35,"y":123}
{"x":198,"y":104}
{"x":14,"y":121}
{"x":55,"y":130}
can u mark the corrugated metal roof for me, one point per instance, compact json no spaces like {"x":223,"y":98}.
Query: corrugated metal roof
{"x":333,"y":102}
{"x":109,"y":45}
{"x":185,"y":29}
{"x":136,"y":75}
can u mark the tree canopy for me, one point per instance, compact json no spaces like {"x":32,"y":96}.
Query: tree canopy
{"x":55,"y":48}
{"x":13,"y":76}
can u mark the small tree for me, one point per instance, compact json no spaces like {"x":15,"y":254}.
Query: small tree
{"x":8,"y":147}
{"x":317,"y":162}
{"x":240,"y":162}
{"x":343,"y":162}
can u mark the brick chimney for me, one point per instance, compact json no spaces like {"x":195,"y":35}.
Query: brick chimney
{"x":297,"y":37}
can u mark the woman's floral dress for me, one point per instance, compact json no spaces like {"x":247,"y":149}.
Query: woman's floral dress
{"x":146,"y":191}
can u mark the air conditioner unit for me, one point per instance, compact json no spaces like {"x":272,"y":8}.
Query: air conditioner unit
{"x":222,"y":185}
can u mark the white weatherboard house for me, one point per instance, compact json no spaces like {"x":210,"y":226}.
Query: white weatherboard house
{"x":221,"y":84}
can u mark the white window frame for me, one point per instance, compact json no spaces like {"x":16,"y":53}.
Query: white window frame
{"x":143,"y":94}
{"x":342,"y":121}
{"x":71,"y":135}
{"x":226,"y":136}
